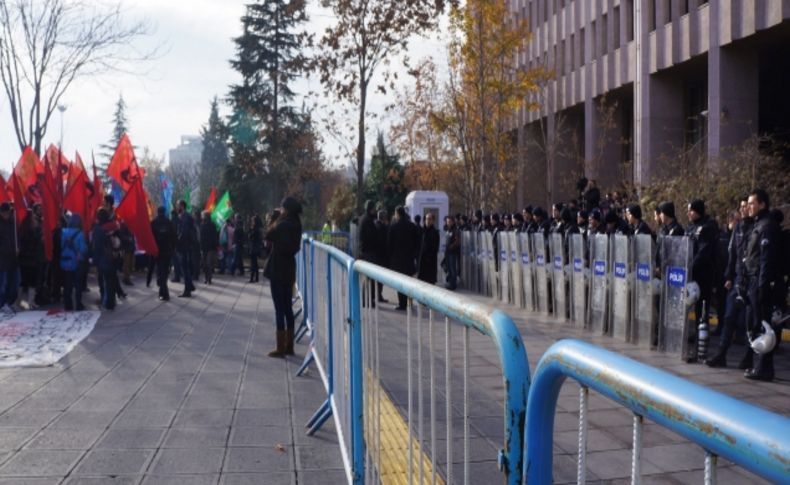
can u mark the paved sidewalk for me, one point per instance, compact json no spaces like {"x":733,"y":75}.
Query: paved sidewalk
{"x":179,"y":392}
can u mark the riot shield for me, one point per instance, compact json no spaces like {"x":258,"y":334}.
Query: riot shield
{"x":558,"y":280}
{"x":479,"y":259}
{"x":490,"y":266}
{"x":441,"y":276}
{"x":673,"y":329}
{"x":526,"y":271}
{"x":620,"y":323}
{"x":599,"y":266}
{"x":643,"y":314}
{"x":578,"y":292}
{"x":541,"y":278}
{"x":504,"y":265}
{"x":515,"y":271}
{"x":464,"y":263}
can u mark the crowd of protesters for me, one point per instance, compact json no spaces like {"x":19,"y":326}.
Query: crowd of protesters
{"x":190,"y":244}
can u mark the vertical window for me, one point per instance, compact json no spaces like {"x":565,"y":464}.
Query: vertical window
{"x":582,"y":42}
{"x":629,"y":20}
{"x":651,"y":15}
{"x":572,"y":53}
{"x":593,"y":40}
{"x":616,"y":27}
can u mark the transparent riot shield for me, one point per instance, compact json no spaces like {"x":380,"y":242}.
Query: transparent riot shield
{"x":516,"y":279}
{"x":557,"y":251}
{"x":490,"y":266}
{"x":441,"y":276}
{"x":541,"y":277}
{"x":504,"y":267}
{"x":578,"y":292}
{"x":526,"y":271}
{"x":464,"y":262}
{"x":643,"y":308}
{"x":480,"y":263}
{"x":673,"y":330}
{"x":599,"y":273}
{"x":620,"y":323}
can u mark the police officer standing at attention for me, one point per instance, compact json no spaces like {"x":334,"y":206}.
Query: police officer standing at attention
{"x":703,"y":233}
{"x":735,"y":316}
{"x":761,"y":264}
{"x":633,"y":214}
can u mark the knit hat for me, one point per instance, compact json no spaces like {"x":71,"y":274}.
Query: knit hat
{"x":698,"y":206}
{"x":583,"y":214}
{"x":292,"y":205}
{"x":667,"y":208}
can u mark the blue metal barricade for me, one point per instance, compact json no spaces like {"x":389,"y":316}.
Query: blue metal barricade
{"x":747,"y":435}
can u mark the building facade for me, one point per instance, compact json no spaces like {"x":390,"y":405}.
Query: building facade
{"x":188,"y":152}
{"x":637,"y":80}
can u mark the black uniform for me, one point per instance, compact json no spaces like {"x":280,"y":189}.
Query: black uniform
{"x":427,"y":260}
{"x":761,"y":270}
{"x":368,"y":238}
{"x":402,"y":245}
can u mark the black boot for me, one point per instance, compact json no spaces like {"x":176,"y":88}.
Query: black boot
{"x":718,"y":360}
{"x":289,"y":341}
{"x":747,"y":360}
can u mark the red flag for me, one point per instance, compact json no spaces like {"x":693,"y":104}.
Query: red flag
{"x":19,"y":201}
{"x":3,"y":191}
{"x":75,"y":169}
{"x":27,"y":169}
{"x":123,"y":166}
{"x":57,"y":162}
{"x":133,"y":210}
{"x":51,"y":211}
{"x":212,"y":200}
{"x":78,"y":200}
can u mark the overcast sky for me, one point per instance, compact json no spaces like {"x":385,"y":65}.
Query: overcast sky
{"x":172,"y":98}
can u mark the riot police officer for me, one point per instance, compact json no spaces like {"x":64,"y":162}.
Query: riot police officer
{"x":633,"y":213}
{"x":703,"y":233}
{"x":761,"y":265}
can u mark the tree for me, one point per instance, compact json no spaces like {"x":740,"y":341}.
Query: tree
{"x":366,"y":35}
{"x":384,"y":182}
{"x":153,"y":166}
{"x":342,"y":205}
{"x":120,"y":126}
{"x":184,"y":176}
{"x":46,"y":45}
{"x":486,"y":88}
{"x":214,"y":157}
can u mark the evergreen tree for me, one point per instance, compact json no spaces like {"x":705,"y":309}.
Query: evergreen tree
{"x":214,"y":157}
{"x":269,"y":57}
{"x":120,"y":126}
{"x":384,"y":182}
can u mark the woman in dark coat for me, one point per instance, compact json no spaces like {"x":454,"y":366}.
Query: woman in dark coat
{"x":429,"y":250}
{"x":285,"y":235}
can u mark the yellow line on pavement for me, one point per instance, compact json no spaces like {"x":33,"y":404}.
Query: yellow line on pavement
{"x":393,"y":460}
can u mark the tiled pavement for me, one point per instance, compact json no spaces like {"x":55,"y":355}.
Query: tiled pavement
{"x":179,"y":392}
{"x":182,"y":392}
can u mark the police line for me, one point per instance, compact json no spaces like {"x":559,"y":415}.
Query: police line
{"x":605,"y":284}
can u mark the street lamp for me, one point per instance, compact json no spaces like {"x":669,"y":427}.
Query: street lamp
{"x":62,"y":108}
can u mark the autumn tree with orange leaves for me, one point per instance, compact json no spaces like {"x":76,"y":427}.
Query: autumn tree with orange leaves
{"x":485,"y":89}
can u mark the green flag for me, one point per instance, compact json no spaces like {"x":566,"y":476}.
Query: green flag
{"x":188,"y":199}
{"x":222,"y":211}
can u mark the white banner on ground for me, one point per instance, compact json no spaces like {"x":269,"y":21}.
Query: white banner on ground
{"x":42,"y":338}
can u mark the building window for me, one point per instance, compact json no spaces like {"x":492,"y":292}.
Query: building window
{"x":572,"y":63}
{"x":616,"y":27}
{"x":582,"y":42}
{"x":695,"y":112}
{"x":651,"y":15}
{"x":629,"y":20}
{"x":684,"y":7}
{"x":593,"y":40}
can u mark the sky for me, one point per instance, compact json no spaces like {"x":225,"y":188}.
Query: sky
{"x":169,"y":96}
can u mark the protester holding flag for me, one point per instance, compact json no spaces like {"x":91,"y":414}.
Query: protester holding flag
{"x":9,"y":280}
{"x":103,"y":253}
{"x":31,"y":258}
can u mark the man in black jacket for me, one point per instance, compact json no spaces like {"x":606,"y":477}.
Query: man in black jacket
{"x":209,"y":241}
{"x":369,"y":246}
{"x":429,"y":250}
{"x":185,"y":244}
{"x":402,"y":247}
{"x":703,"y":233}
{"x":761,"y":263}
{"x":382,"y":255}
{"x":165,"y":235}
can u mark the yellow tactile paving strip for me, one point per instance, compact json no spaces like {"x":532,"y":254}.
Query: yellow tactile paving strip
{"x":394,"y":461}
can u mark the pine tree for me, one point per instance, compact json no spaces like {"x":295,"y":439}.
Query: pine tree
{"x":215,"y":151}
{"x":384,"y":182}
{"x":120,"y":126}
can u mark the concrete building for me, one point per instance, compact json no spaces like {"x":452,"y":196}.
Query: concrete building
{"x":189,"y":151}
{"x":635,"y":80}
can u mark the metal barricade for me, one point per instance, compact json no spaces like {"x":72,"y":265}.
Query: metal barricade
{"x":430,"y":311}
{"x":722,"y":426}
{"x":620,"y":323}
{"x":558,"y":279}
{"x":578,"y":291}
{"x":541,"y":276}
{"x":516,"y":279}
{"x":599,"y":276}
{"x":526,"y":271}
{"x":643,"y":313}
{"x":673,"y":330}
{"x":328,"y":285}
{"x":504,"y":266}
